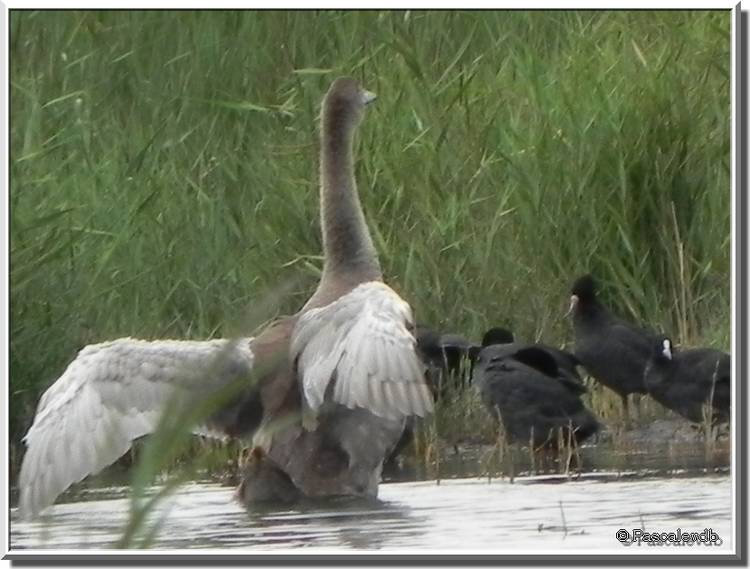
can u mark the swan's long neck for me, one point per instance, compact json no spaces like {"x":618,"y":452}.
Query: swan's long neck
{"x":347,"y":245}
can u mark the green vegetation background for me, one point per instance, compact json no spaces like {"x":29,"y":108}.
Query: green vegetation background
{"x":164,"y":170}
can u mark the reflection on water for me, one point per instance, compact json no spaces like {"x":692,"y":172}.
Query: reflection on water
{"x":530,"y":514}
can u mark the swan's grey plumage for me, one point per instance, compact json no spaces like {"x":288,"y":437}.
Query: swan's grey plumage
{"x":355,"y":333}
{"x":349,"y":354}
{"x":113,"y":393}
{"x":353,"y":359}
{"x":363,"y":341}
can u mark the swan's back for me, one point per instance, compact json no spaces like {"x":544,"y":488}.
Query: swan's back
{"x":360,"y":352}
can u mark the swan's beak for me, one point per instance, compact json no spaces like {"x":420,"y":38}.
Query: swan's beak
{"x":368,"y":97}
{"x":573,"y":303}
{"x":667,"y":351}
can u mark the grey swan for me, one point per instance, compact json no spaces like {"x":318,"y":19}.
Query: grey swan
{"x":536,"y":401}
{"x":690,"y":381}
{"x":613,"y":351}
{"x":346,"y":362}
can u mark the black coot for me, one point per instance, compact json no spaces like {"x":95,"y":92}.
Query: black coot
{"x":526,"y":388}
{"x":687,"y":380}
{"x":613,"y":351}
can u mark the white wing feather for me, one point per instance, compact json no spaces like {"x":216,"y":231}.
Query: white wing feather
{"x":110,"y":395}
{"x":361,"y":341}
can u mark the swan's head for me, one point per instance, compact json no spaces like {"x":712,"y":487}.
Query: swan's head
{"x":584,"y":290}
{"x":346,"y":100}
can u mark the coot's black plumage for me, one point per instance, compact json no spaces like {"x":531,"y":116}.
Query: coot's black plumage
{"x":613,"y":351}
{"x":687,"y":380}
{"x":534,"y":400}
{"x":567,"y":363}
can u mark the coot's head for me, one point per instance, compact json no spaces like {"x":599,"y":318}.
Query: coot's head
{"x":497,"y":336}
{"x":492,"y":337}
{"x":583,"y":291}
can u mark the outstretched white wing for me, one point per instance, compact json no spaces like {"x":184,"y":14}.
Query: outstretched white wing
{"x":362,"y":343}
{"x":110,"y":395}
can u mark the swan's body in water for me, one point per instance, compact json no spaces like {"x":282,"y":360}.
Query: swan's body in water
{"x":346,"y":363}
